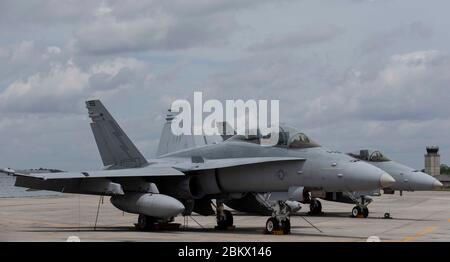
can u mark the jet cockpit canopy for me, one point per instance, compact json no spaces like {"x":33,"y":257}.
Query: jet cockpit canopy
{"x":287,"y":137}
{"x":370,"y":155}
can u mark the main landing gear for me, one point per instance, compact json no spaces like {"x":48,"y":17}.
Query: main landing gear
{"x":224,"y":217}
{"x":145,"y":222}
{"x":315,"y":207}
{"x":279,"y":222}
{"x":148,"y":223}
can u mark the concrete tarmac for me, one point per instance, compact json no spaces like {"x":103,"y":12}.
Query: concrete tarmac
{"x":417,"y":216}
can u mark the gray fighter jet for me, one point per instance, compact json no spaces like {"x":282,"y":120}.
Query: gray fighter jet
{"x":186,"y":176}
{"x":406,"y":179}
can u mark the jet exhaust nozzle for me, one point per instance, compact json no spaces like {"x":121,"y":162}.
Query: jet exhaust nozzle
{"x":154,"y":205}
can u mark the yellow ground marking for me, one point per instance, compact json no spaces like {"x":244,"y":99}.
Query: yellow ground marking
{"x":427,"y":230}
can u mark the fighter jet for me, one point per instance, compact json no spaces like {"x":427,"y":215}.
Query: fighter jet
{"x":185,"y":177}
{"x":406,"y":179}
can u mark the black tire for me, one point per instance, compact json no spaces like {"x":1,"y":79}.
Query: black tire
{"x":286,"y":224}
{"x":271,"y":225}
{"x":315,"y":207}
{"x":356,"y":211}
{"x":365,"y":212}
{"x":145,"y":223}
{"x":228,"y":218}
{"x":226,"y":221}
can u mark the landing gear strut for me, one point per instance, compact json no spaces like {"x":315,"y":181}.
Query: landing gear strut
{"x":224,"y":217}
{"x":315,"y":207}
{"x":279,"y":222}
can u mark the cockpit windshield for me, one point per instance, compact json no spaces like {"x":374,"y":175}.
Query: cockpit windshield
{"x":300,"y":140}
{"x":287,"y":137}
{"x":370,"y":155}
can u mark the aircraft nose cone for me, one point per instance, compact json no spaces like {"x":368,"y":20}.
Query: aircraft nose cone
{"x":437,"y":184}
{"x":386,"y":180}
{"x":422,"y":181}
{"x":361,"y":176}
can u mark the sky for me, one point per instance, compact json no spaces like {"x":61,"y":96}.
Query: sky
{"x":350,"y":74}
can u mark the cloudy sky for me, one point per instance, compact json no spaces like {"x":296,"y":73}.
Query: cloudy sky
{"x":349,"y":73}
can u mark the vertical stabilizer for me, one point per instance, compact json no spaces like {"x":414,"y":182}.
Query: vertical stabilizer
{"x":113,"y":144}
{"x":169,"y":142}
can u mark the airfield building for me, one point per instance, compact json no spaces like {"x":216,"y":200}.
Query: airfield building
{"x":433,"y":161}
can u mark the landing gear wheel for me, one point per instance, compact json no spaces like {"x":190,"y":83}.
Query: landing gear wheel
{"x":315,"y":208}
{"x":271,"y":225}
{"x":365,"y":212}
{"x":356,"y":211}
{"x":286,"y":226}
{"x":145,"y":223}
{"x":225,"y":221}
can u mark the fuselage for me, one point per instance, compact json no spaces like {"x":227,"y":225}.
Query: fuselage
{"x":322,"y":169}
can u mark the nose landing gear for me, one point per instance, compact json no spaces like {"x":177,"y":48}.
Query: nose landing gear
{"x":276,"y":227}
{"x":279,"y":223}
{"x":360,"y":210}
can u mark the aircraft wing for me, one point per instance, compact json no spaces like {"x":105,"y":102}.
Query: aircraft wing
{"x":7,"y":171}
{"x":159,"y":170}
{"x":116,"y":182}
{"x":148,"y":171}
{"x":101,"y":182}
{"x":205,"y":164}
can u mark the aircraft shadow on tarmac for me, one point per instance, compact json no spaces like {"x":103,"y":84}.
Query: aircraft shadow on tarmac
{"x":236,"y":231}
{"x":346,"y":215}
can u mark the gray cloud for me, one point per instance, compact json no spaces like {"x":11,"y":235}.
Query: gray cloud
{"x":307,"y":37}
{"x":49,"y":12}
{"x":410,"y":32}
{"x":405,"y":89}
{"x":140,"y":26}
{"x":151,"y":33}
{"x":64,"y":87}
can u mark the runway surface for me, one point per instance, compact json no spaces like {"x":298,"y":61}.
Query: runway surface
{"x":417,"y":216}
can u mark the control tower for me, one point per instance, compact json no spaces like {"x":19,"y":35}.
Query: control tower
{"x":433,"y":161}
